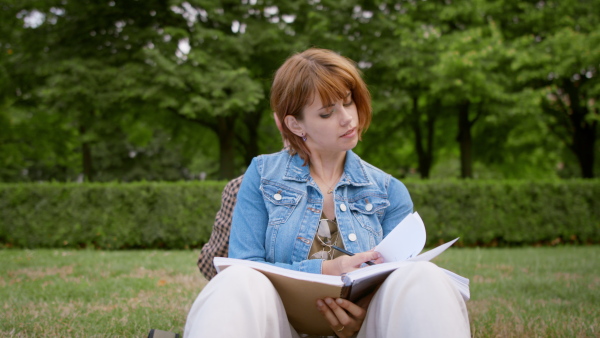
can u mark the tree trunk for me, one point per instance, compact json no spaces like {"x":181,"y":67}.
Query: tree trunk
{"x":584,"y":137}
{"x":465,"y":141}
{"x":86,"y":155}
{"x":226,"y":134}
{"x":416,"y":124}
{"x":250,"y":145}
{"x":583,"y":131}
{"x":424,"y":151}
{"x":432,"y":113}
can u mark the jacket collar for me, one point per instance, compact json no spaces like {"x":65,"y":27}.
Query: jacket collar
{"x":354,"y":170}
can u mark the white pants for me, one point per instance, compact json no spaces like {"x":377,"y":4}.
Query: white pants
{"x":417,"y":300}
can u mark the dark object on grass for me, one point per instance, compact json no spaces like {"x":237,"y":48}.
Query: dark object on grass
{"x":154,"y":333}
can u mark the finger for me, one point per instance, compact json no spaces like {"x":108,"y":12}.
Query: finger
{"x":341,"y":314}
{"x":367,"y":256}
{"x":328,"y":314}
{"x":345,"y":264}
{"x":347,"y":323}
{"x":355,"y":310}
{"x":350,"y":263}
{"x":378,"y":260}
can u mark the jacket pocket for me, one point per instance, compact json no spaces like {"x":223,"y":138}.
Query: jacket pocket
{"x":280,"y":201}
{"x":368,"y":208}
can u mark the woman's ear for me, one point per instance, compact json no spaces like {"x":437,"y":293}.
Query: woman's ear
{"x":293,"y":125}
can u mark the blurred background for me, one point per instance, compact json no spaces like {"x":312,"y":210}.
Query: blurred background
{"x":159,"y":90}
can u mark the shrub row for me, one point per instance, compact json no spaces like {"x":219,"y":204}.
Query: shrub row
{"x":509,"y":212}
{"x":108,"y":216}
{"x":180,"y":215}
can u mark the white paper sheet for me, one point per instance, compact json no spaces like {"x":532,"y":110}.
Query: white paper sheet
{"x":405,"y":241}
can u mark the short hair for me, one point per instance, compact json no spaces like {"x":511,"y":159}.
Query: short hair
{"x":322,"y":72}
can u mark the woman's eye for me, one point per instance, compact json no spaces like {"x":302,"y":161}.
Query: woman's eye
{"x":328,"y":112}
{"x":349,"y":103}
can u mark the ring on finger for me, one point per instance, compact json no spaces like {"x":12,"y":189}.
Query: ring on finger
{"x":342,"y":329}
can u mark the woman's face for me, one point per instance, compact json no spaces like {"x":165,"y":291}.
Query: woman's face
{"x":331,"y":128}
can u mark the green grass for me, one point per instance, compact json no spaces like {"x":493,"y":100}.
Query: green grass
{"x":516,"y":292}
{"x":95,"y":293}
{"x":531,"y":292}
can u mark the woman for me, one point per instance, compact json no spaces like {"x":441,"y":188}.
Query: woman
{"x":293,"y":206}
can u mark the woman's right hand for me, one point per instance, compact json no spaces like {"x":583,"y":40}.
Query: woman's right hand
{"x":345,"y":264}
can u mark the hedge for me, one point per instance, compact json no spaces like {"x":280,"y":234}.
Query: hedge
{"x":180,"y":215}
{"x":108,"y":216}
{"x":509,"y":213}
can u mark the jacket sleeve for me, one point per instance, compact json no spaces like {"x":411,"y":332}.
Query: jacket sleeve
{"x":250,"y":221}
{"x":400,"y":205}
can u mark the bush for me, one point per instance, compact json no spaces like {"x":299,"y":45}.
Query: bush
{"x":108,"y":216}
{"x":180,"y":215}
{"x":509,"y":212}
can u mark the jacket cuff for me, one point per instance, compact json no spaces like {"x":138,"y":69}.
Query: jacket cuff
{"x":311,"y":266}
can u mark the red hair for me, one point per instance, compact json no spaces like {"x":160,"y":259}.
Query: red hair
{"x":317,"y":72}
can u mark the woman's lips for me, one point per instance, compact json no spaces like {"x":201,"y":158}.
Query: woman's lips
{"x":349,"y":133}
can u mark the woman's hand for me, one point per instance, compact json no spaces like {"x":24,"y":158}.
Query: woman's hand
{"x":344,"y":317}
{"x":345,"y":264}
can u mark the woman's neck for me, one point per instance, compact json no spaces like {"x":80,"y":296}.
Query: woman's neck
{"x":328,"y":169}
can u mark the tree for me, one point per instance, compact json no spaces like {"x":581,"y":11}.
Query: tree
{"x":559,"y":59}
{"x":83,"y":62}
{"x":448,"y":59}
{"x":129,"y":90}
{"x":407,"y":49}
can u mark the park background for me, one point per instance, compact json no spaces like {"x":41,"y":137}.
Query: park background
{"x":121,"y":120}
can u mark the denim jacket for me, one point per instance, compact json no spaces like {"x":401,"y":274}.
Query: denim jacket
{"x":279,"y":206}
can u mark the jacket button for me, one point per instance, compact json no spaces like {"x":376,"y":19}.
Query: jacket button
{"x":352,"y":237}
{"x":277,"y":197}
{"x":342,"y":207}
{"x":369,"y":207}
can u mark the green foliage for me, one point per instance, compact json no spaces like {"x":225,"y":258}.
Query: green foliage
{"x":109,"y":89}
{"x":79,"y":78}
{"x":180,"y":215}
{"x":111,"y":216}
{"x":509,"y":212}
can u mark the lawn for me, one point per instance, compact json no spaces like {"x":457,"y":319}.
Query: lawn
{"x":516,"y":292}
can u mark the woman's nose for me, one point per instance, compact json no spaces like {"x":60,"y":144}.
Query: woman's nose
{"x":345,"y":116}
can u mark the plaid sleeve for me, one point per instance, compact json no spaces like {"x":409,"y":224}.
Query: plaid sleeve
{"x":218,"y":244}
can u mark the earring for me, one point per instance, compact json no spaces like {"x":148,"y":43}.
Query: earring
{"x":303,"y":137}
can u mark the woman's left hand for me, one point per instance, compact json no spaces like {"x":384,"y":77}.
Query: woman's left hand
{"x":344,"y":317}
